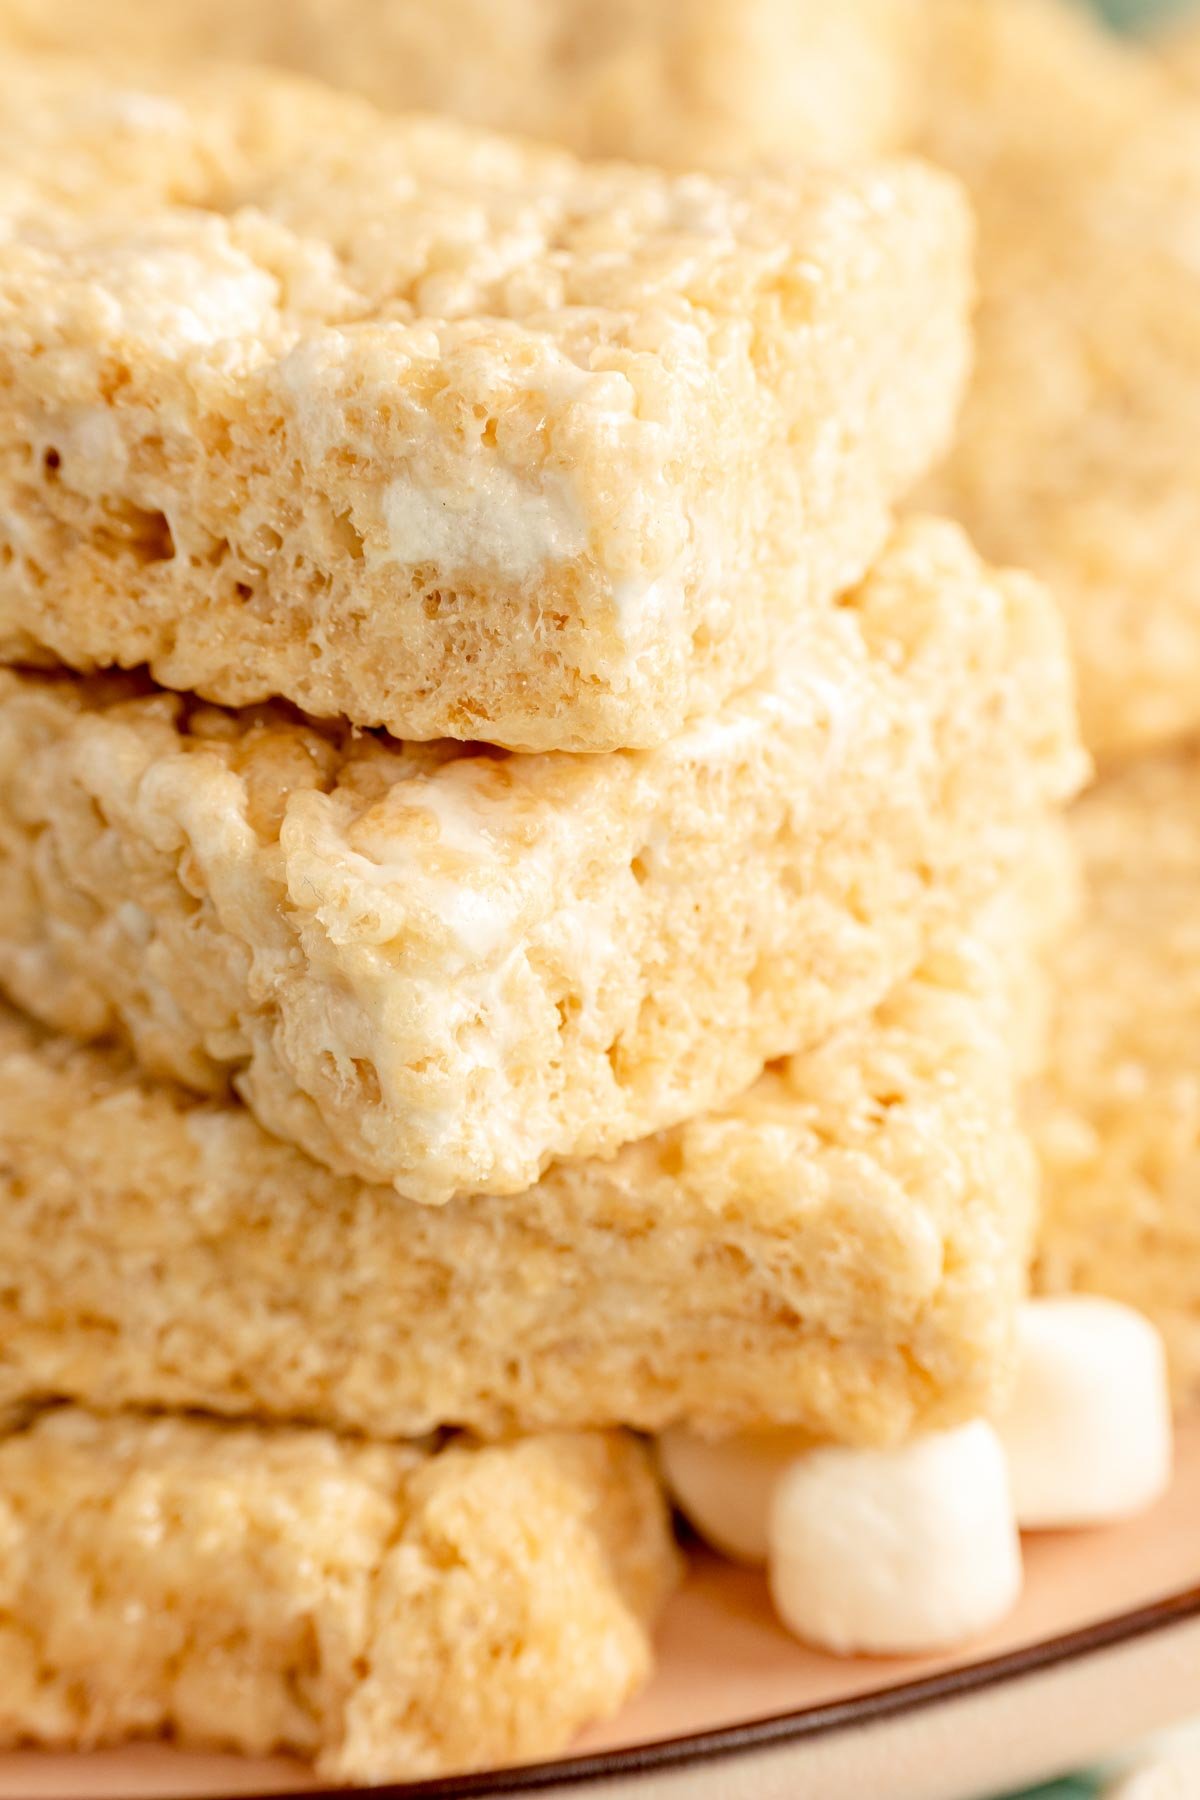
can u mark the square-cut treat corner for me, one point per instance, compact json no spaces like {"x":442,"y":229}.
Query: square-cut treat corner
{"x":444,"y":432}
{"x":386,"y":1612}
{"x":443,"y":967}
{"x":840,"y":1251}
{"x":1116,"y":1118}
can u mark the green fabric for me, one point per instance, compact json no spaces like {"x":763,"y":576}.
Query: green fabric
{"x":1139,"y":12}
{"x":1079,"y":1787}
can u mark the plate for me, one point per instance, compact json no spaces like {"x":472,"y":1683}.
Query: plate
{"x":1104,"y":1647}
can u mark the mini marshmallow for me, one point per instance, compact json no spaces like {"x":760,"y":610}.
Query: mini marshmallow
{"x":887,"y":1552}
{"x":1088,"y":1430}
{"x":724,"y":1487}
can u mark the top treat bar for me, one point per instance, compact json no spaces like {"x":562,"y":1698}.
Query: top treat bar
{"x":439,"y":432}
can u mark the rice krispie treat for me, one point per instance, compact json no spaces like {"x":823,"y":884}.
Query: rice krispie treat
{"x":385,"y":1612}
{"x":443,"y":432}
{"x":1117,"y":1120}
{"x":840,"y":1250}
{"x":689,"y":83}
{"x":442,"y":968}
{"x":1079,"y":454}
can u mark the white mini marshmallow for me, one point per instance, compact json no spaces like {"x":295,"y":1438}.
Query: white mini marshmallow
{"x":887,"y":1552}
{"x":1088,"y":1430}
{"x":724,"y":1487}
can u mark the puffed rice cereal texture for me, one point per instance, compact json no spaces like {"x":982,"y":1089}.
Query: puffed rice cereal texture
{"x":438,"y":431}
{"x":384,"y":1611}
{"x":840,"y":1251}
{"x":442,"y":967}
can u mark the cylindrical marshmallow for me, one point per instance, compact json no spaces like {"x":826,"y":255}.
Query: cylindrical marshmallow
{"x":724,"y":1486}
{"x":886,"y":1552}
{"x":1088,"y":1430}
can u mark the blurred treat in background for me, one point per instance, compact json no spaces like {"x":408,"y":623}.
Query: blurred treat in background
{"x":1180,"y":43}
{"x":1079,"y":454}
{"x":1116,"y":1118}
{"x":687,"y":83}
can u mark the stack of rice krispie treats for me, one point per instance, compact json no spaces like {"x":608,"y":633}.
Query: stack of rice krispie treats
{"x":521,"y":890}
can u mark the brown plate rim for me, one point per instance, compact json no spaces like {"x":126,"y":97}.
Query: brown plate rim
{"x":776,"y":1729}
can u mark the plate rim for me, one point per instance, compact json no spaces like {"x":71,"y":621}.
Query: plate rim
{"x":596,"y":1768}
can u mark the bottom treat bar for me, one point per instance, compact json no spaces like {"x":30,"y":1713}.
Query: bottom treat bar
{"x":841,"y":1250}
{"x":1117,"y":1120}
{"x":383,"y":1611}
